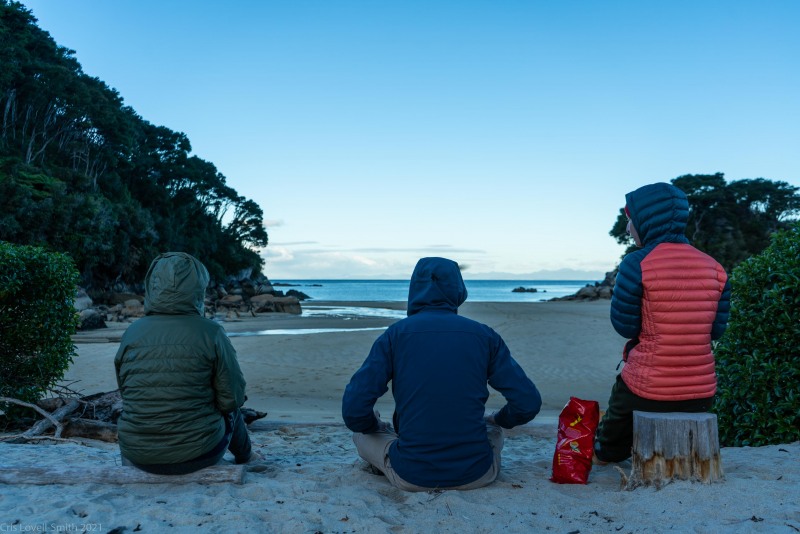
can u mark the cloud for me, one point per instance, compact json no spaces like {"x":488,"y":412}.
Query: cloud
{"x":308,"y":260}
{"x":302,"y":263}
{"x":420,"y":250}
{"x":277,"y":254}
{"x":273,"y":223}
{"x":292,"y":243}
{"x":365,"y":261}
{"x":297,"y":261}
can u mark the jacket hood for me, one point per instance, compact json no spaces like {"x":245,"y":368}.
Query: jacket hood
{"x":175,"y":284}
{"x":659,"y":213}
{"x":436,"y":284}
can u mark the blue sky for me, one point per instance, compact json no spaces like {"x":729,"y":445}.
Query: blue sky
{"x":503,"y":135}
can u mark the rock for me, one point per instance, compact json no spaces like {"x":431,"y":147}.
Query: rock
{"x":231,"y":301}
{"x":122,"y":298}
{"x":133,"y":308}
{"x":521,"y":289}
{"x":264,"y":287}
{"x":91,"y":319}
{"x":600,"y":290}
{"x":244,"y":274}
{"x":263,"y":303}
{"x":238,"y":294}
{"x":299,"y":295}
{"x":122,"y":287}
{"x":288,"y":305}
{"x":82,"y":300}
{"x":587,"y":293}
{"x":248,"y":288}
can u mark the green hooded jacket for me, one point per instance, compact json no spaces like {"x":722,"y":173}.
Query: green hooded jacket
{"x":177,"y":371}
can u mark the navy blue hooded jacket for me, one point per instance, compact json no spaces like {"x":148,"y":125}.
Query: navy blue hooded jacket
{"x":439,"y":364}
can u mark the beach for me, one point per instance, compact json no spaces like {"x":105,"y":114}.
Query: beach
{"x":312,"y":480}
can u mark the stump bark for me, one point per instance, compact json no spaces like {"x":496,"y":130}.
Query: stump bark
{"x":668,"y":446}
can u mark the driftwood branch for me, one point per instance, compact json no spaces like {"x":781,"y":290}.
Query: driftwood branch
{"x":49,"y":420}
{"x":90,"y":428}
{"x":92,"y":417}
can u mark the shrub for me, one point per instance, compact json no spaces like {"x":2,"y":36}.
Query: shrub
{"x":758,"y":358}
{"x":37,"y":320}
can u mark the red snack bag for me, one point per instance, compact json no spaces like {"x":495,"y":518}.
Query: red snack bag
{"x":575,"y":444}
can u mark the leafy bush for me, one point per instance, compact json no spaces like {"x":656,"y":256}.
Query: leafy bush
{"x":37,"y":320}
{"x":758,"y":358}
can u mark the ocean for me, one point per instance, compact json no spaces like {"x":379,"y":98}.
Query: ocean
{"x":397,"y":290}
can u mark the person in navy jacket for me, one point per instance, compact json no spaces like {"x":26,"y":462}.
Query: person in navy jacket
{"x":439,"y":364}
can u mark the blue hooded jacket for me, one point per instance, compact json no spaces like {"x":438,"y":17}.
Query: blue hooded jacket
{"x":439,"y":364}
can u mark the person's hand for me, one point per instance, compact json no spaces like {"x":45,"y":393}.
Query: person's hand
{"x":382,"y":425}
{"x":490,"y":419}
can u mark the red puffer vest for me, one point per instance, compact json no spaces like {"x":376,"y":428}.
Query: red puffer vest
{"x":681,"y":293}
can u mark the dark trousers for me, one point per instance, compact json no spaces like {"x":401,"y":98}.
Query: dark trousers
{"x":614,"y":437}
{"x":236,"y":440}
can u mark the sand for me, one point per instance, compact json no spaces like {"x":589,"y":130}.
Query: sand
{"x":566,"y":348}
{"x":313,"y":481}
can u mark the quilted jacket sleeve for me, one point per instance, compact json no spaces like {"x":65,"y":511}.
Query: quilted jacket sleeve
{"x":723,"y":312}
{"x":229,"y":383}
{"x":626,"y":301}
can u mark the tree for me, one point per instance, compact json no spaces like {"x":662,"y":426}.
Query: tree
{"x":729,"y":221}
{"x":84,"y":174}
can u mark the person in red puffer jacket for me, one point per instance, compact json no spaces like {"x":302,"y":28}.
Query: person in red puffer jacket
{"x":670,"y":300}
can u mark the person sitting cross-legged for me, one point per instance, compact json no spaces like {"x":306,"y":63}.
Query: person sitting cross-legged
{"x":439,"y":364}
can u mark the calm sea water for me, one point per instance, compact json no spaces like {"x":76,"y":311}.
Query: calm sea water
{"x":397,"y":290}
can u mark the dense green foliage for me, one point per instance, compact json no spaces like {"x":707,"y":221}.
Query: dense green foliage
{"x":729,"y":221}
{"x":37,"y":320}
{"x":82,"y":173}
{"x":758,"y":358}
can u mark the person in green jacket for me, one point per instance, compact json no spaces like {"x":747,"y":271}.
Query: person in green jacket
{"x":179,"y":378}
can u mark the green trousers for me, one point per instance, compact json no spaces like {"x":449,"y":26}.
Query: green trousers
{"x":614,"y":437}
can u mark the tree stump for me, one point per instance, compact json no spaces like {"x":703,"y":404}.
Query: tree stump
{"x":669,"y":446}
